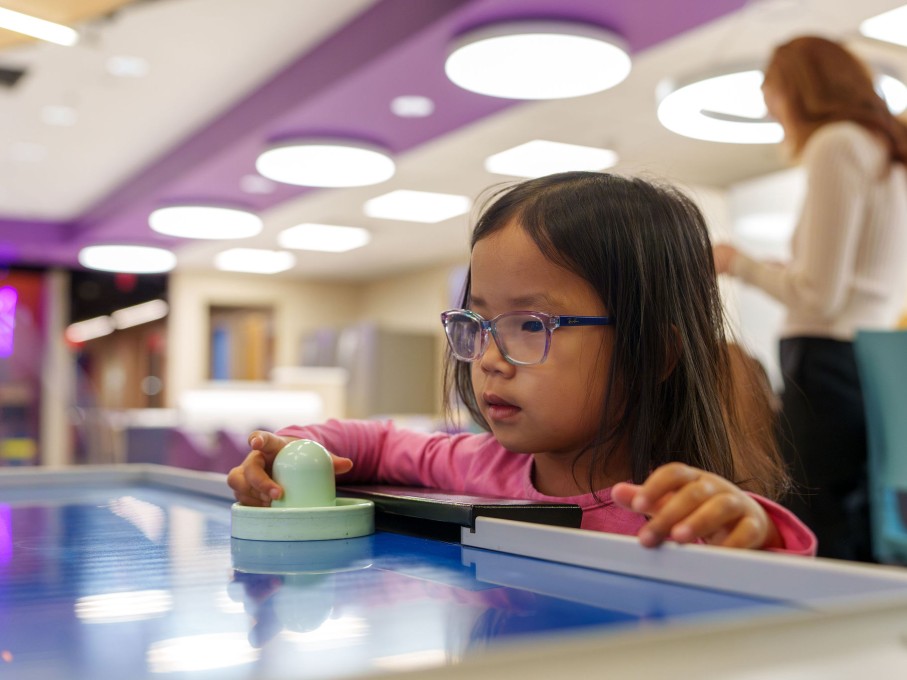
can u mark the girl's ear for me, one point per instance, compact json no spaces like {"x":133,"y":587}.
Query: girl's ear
{"x":672,"y":352}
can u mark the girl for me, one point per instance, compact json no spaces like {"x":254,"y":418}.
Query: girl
{"x":846,"y":273}
{"x":590,"y":345}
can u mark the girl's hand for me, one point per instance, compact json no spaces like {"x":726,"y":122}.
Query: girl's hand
{"x":251,"y":481}
{"x":686,"y":505}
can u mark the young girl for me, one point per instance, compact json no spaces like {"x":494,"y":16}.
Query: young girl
{"x":590,"y":346}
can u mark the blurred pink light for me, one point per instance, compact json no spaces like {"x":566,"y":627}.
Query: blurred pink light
{"x":8,"y":298}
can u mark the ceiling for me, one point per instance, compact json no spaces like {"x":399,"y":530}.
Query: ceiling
{"x":225,"y":77}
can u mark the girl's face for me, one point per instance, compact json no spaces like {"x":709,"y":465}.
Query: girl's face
{"x":553,"y":407}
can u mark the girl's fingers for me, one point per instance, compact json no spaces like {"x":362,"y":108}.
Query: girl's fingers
{"x":688,"y":505}
{"x":341,"y":465}
{"x":749,"y":532}
{"x":666,"y":479}
{"x":267,"y":442}
{"x":257,"y":478}
{"x":678,"y":508}
{"x":623,"y":494}
{"x":251,"y":500}
{"x":713,"y":520}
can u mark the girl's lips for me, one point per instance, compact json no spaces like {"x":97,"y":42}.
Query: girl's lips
{"x":499,"y":409}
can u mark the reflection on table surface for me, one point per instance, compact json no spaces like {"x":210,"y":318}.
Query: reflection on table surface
{"x":132,"y":581}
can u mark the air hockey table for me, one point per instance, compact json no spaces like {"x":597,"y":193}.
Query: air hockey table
{"x":130,"y":571}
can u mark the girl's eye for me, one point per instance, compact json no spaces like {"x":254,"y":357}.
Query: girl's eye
{"x":532,"y":326}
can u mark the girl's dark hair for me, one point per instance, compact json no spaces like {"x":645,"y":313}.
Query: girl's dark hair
{"x":645,"y":248}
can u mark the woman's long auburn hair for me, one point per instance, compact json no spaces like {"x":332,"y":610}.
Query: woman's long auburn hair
{"x":672,"y":392}
{"x":822,"y":82}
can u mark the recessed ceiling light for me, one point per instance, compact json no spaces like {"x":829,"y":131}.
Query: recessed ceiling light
{"x":125,"y":66}
{"x":417,"y":206}
{"x":127,"y":259}
{"x":412,"y":106}
{"x":889,"y":26}
{"x":722,"y":107}
{"x":325,"y":163}
{"x":204,"y":222}
{"x":728,"y":106}
{"x":324,"y":237}
{"x":38,"y":28}
{"x":538,"y":60}
{"x":542,"y":157}
{"x":254,"y":260}
{"x":59,"y":115}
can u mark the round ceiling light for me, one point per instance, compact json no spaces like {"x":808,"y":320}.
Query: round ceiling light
{"x":721,"y":107}
{"x":727,"y":106}
{"x":204,"y":222}
{"x":538,"y":60}
{"x":127,"y":259}
{"x":325,"y":163}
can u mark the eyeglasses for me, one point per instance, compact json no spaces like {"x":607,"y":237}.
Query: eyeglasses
{"x":522,"y":337}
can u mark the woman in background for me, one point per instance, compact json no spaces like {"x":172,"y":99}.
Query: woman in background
{"x":847,"y":272}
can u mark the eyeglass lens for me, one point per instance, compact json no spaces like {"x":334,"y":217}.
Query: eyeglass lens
{"x":520,"y":337}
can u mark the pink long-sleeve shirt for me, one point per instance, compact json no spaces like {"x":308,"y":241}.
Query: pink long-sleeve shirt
{"x":477,"y":465}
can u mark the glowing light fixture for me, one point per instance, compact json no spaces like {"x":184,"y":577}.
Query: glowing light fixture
{"x":538,"y":60}
{"x":894,"y":92}
{"x":727,"y":106}
{"x":139,"y":314}
{"x":890,"y":26}
{"x":325,"y":163}
{"x":254,"y":260}
{"x":8,"y":297}
{"x":38,"y":28}
{"x":204,"y":222}
{"x":99,"y":326}
{"x":416,"y":206}
{"x":412,"y":106}
{"x":721,"y":107}
{"x":542,"y":157}
{"x":83,"y":331}
{"x":127,"y":259}
{"x":323,"y":237}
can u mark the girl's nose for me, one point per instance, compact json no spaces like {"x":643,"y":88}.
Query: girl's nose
{"x":493,"y":361}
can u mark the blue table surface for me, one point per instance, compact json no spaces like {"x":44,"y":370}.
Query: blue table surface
{"x":133,"y":581}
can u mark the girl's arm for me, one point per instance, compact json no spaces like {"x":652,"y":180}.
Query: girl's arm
{"x":364,"y":452}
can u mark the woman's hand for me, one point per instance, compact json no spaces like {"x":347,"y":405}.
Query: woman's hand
{"x":687,"y":505}
{"x":251,"y":481}
{"x":724,"y":255}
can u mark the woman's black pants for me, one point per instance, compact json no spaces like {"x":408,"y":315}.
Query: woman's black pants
{"x":823,"y":438}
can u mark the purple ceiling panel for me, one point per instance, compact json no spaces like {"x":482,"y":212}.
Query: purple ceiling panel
{"x":343,"y":88}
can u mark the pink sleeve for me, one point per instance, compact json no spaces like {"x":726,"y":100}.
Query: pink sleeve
{"x":798,"y":539}
{"x":382,"y":454}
